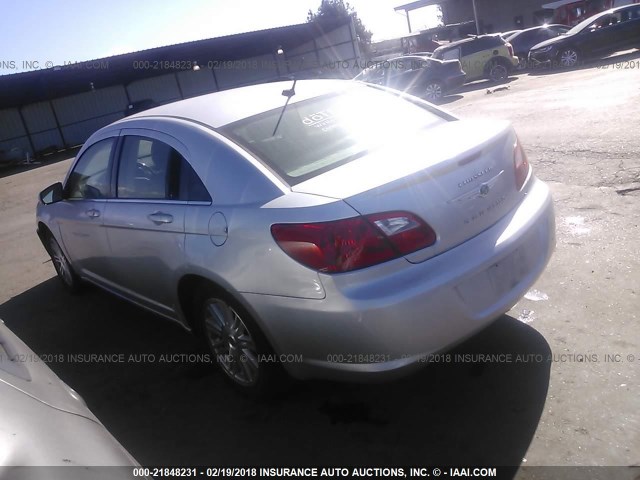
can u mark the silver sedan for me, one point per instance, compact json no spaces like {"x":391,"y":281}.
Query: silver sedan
{"x":330,"y":229}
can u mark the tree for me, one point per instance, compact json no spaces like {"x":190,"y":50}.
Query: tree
{"x":331,"y":12}
{"x":439,"y":16}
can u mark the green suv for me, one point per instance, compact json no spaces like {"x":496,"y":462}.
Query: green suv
{"x":484,"y":56}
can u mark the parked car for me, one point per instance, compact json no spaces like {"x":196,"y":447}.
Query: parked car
{"x":598,"y":36}
{"x":334,"y":228}
{"x":419,"y":54}
{"x":509,"y":33}
{"x":417,"y":75}
{"x":485,"y":56}
{"x":525,"y":39}
{"x":45,"y":423}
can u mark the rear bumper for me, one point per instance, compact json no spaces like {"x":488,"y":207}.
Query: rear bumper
{"x":386,"y":327}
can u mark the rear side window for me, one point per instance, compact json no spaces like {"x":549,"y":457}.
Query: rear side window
{"x":451,"y":54}
{"x":151,"y":169}
{"x":320,"y":134}
{"x":480,"y":44}
{"x":91,"y":176}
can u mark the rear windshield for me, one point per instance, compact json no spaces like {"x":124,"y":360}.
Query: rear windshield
{"x":318,"y":135}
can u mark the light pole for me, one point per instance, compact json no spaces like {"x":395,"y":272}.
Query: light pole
{"x":475,"y":16}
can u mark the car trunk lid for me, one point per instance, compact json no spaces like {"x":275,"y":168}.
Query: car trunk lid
{"x":459,"y":177}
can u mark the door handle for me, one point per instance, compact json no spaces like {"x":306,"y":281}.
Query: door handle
{"x":93,"y":213}
{"x":159,"y":218}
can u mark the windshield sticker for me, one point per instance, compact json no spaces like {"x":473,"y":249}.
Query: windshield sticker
{"x":323,"y":119}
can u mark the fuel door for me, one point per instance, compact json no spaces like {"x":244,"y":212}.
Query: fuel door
{"x":218,"y":229}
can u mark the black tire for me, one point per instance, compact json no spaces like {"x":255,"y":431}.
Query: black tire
{"x":568,"y":58}
{"x":239,"y":348}
{"x":64,"y":270}
{"x":497,"y":71}
{"x":434,"y":91}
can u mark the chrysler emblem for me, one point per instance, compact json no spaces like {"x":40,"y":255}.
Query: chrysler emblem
{"x":484,"y":189}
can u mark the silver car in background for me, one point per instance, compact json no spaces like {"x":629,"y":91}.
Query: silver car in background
{"x":333,"y":228}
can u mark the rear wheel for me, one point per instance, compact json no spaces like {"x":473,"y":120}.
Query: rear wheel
{"x":568,"y":58}
{"x":240,"y":349}
{"x":497,"y":71}
{"x":434,"y":91}
{"x":63,"y":268}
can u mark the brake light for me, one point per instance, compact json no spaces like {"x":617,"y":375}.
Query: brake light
{"x":353,"y":243}
{"x":520,"y":164}
{"x":510,"y":48}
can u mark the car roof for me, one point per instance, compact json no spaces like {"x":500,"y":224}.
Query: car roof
{"x":610,"y":11}
{"x":538,"y":27}
{"x":467,"y":40}
{"x":221,"y":108}
{"x":587,"y":21}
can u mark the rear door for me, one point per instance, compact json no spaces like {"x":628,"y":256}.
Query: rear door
{"x":144,"y":223}
{"x":477,"y":54}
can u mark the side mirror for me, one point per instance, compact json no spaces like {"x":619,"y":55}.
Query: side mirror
{"x":52,"y":194}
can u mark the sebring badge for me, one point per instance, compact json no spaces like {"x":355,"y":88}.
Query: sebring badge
{"x":482,"y":192}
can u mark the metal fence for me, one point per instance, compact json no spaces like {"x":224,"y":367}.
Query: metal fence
{"x":43,"y":127}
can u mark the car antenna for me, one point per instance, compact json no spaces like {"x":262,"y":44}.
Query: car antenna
{"x":286,"y":93}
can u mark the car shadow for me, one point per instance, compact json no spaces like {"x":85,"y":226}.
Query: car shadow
{"x":449,"y":99}
{"x":167,"y":408}
{"x":627,"y":57}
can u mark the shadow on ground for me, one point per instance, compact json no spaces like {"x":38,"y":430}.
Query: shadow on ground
{"x":8,"y":170}
{"x":184,"y":413}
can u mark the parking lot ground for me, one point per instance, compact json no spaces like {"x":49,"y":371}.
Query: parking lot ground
{"x":565,"y":392}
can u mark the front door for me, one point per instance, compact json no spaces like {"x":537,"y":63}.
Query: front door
{"x":80,"y":215}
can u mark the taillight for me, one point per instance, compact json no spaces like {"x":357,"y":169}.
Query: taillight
{"x":353,"y":243}
{"x":520,"y":164}
{"x":510,"y":48}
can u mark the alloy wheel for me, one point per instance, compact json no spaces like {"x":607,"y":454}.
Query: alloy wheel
{"x":60,"y":263}
{"x":231,"y":342}
{"x":498,"y":72}
{"x":433,"y":92}
{"x":568,"y":58}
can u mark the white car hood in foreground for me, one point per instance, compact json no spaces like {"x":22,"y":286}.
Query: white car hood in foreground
{"x":45,"y":423}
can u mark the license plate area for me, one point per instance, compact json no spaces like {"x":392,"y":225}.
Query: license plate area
{"x":487,"y":287}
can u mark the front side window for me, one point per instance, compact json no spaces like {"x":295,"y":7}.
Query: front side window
{"x":151,"y":169}
{"x":320,"y":134}
{"x":91,"y":176}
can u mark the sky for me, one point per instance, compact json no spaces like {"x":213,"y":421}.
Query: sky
{"x":43,"y":33}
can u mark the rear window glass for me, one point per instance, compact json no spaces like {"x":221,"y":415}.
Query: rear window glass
{"x":318,"y":135}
